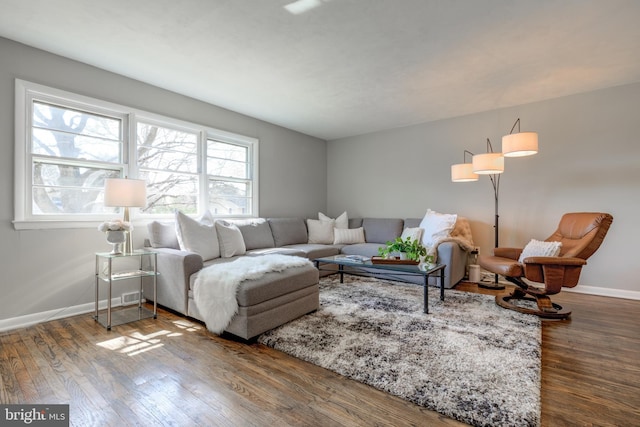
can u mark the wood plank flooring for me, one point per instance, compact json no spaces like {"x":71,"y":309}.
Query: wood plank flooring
{"x":171,"y":371}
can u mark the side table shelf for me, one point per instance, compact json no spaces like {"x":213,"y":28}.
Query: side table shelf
{"x":104,"y":273}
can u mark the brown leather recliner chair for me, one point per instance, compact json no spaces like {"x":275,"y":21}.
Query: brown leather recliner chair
{"x":581,"y":234}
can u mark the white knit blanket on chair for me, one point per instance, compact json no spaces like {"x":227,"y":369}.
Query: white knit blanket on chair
{"x":215,"y":287}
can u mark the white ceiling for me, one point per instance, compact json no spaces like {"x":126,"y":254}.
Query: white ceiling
{"x":346,"y":67}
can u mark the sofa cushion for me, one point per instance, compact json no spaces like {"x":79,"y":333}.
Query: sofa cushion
{"x":288,"y":231}
{"x":382,"y":230}
{"x":275,"y":284}
{"x":412,"y":222}
{"x":198,"y":236}
{"x":270,"y":285}
{"x":230,"y":238}
{"x":256,"y":233}
{"x":320,"y":231}
{"x":355,"y":222}
{"x":281,"y":250}
{"x":163,"y":235}
{"x":313,"y":251}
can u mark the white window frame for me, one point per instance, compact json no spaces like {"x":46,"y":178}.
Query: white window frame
{"x":253,"y":172}
{"x":26,"y":92}
{"x":179,"y":125}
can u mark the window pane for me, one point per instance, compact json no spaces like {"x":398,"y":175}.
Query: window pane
{"x":169,"y":191}
{"x":78,"y":122}
{"x":159,"y":159}
{"x":161,"y":148}
{"x":229,"y":198}
{"x":223,"y":150}
{"x":69,"y":189}
{"x":64,"y":132}
{"x":68,"y":145}
{"x":227,"y":160}
{"x":58,"y":144}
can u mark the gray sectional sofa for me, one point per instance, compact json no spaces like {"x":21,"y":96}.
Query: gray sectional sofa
{"x":279,"y":296}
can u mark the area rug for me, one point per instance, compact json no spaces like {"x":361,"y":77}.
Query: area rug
{"x":468,"y":358}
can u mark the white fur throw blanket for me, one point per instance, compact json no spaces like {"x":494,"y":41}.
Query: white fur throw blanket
{"x":215,"y":287}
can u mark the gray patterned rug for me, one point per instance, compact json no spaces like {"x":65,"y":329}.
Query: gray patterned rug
{"x":468,"y":358}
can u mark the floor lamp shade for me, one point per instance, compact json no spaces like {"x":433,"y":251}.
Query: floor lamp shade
{"x":517,"y":144}
{"x":520,"y":144}
{"x":463,"y":172}
{"x":488,"y":163}
{"x":124,"y":192}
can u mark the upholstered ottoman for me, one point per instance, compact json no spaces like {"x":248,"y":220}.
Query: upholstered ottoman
{"x":274,"y":299}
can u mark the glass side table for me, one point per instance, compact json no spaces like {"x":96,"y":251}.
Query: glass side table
{"x":105,"y":273}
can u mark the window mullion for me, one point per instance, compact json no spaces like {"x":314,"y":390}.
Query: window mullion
{"x":203,"y":200}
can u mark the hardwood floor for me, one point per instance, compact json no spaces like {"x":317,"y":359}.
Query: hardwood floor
{"x":171,"y":371}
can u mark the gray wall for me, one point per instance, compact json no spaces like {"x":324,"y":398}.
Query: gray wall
{"x":589,"y":160}
{"x":48,"y":270}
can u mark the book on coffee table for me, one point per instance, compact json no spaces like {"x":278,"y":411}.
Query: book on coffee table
{"x":354,"y":258}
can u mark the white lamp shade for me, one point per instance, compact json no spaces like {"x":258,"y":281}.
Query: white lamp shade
{"x":488,"y":164}
{"x":463,"y":172}
{"x":520,"y":144}
{"x":123,"y":192}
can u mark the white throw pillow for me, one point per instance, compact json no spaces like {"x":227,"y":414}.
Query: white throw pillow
{"x":163,"y":235}
{"x":348,"y":236}
{"x":415,"y":233}
{"x":341,"y":222}
{"x":320,"y":231}
{"x":231,"y":241}
{"x":539,"y":248}
{"x":436,"y":226}
{"x":198,"y":236}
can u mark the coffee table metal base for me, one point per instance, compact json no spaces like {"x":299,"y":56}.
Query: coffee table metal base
{"x":439,"y":269}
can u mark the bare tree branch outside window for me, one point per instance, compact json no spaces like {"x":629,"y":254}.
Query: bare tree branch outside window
{"x":67,"y":147}
{"x":74,"y":143}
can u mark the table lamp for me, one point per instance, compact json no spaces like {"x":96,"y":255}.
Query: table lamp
{"x":125,"y":193}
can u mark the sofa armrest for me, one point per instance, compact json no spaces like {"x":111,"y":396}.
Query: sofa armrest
{"x":455,"y":258}
{"x":175,"y":267}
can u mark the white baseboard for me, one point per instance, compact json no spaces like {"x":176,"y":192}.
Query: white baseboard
{"x":45,"y":316}
{"x":580,"y":289}
{"x":604,"y":292}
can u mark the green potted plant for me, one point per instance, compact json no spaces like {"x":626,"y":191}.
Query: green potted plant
{"x":412,"y":248}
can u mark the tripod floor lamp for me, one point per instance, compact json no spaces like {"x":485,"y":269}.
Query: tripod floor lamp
{"x":517,"y":144}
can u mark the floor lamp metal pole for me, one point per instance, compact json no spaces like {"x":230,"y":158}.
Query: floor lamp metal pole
{"x":495,"y":182}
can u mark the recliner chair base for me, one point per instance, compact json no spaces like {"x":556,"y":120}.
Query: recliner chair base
{"x":546,"y":308}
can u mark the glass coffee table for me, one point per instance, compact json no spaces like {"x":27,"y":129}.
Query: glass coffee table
{"x":359,"y":267}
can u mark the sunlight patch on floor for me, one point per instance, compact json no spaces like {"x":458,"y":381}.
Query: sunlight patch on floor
{"x":136,"y":343}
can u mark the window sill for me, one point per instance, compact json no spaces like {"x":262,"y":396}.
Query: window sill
{"x":52,"y":224}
